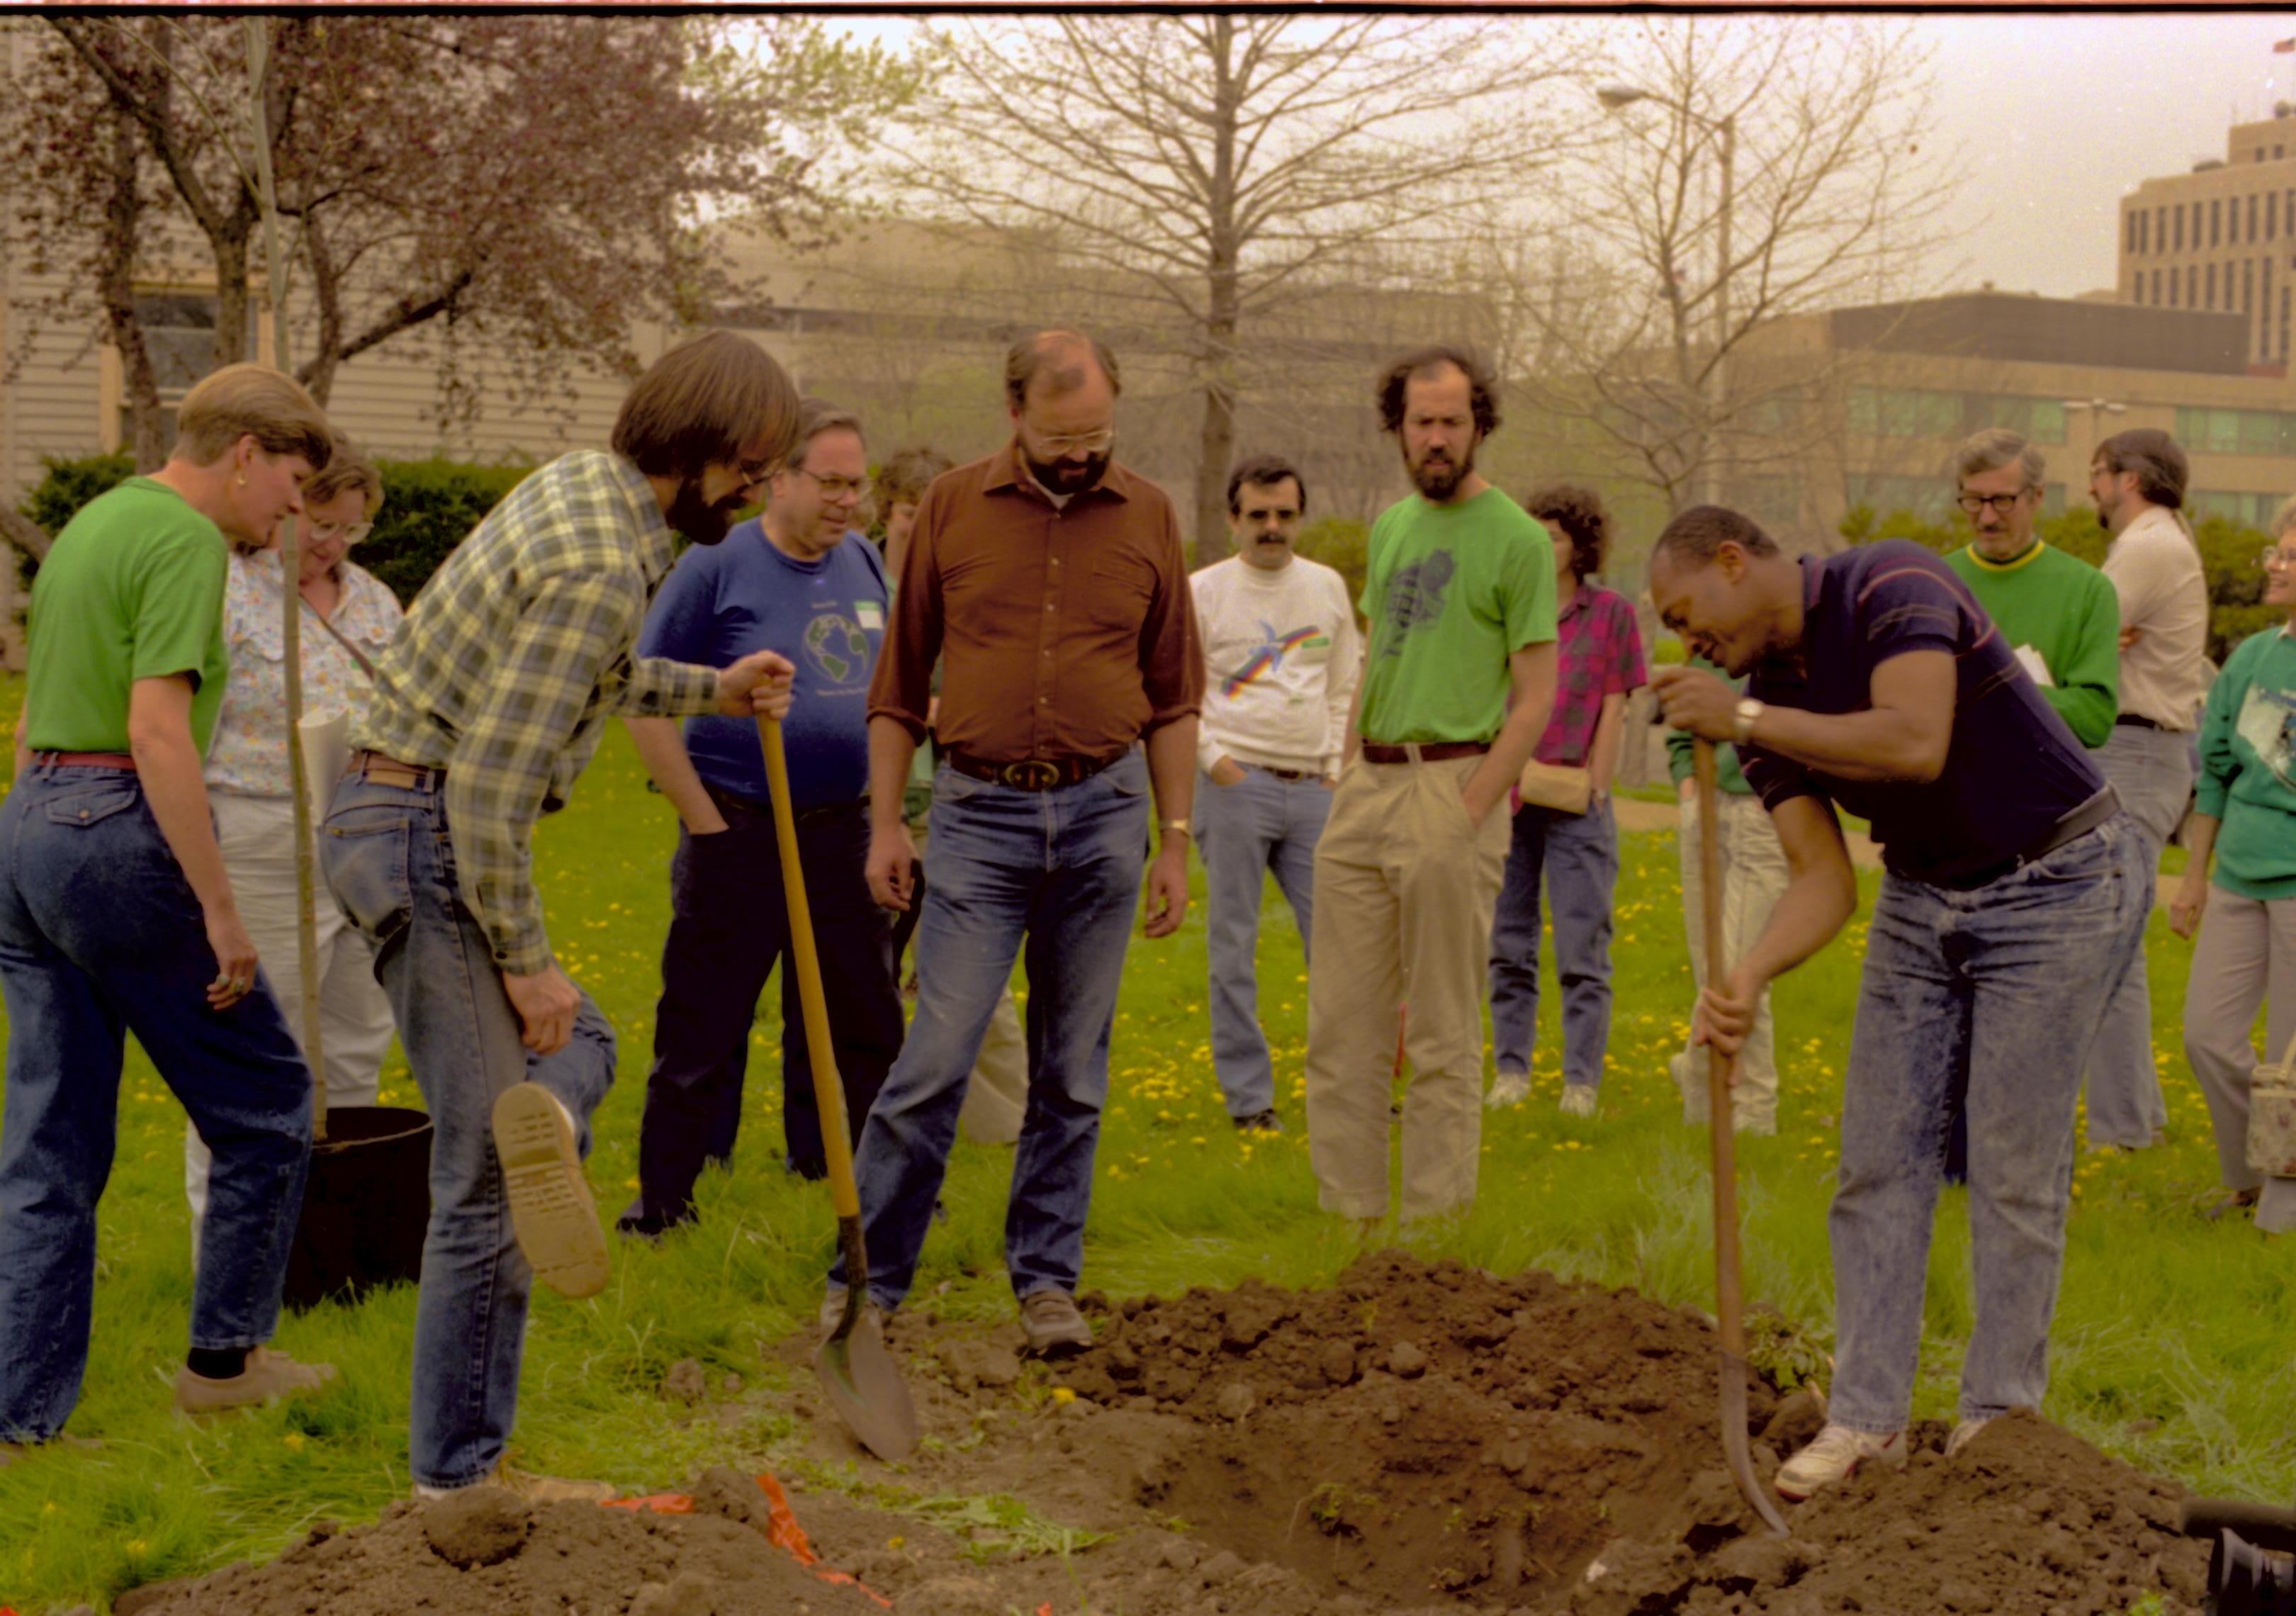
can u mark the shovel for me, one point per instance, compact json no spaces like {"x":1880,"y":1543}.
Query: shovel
{"x":1729,"y":1305}
{"x":859,"y":1375}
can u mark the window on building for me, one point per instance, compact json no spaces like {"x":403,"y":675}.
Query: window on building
{"x":179,"y":333}
{"x":2251,"y":218}
{"x":2246,"y":510}
{"x":2271,"y":215}
{"x":2215,"y":221}
{"x":2223,"y":431}
{"x":2179,"y":222}
{"x":2247,"y":287}
{"x":2209,"y":287}
{"x":2264,"y":308}
{"x":2172,"y":291}
{"x":2192,"y":286}
{"x":2156,"y":286}
{"x":2283,"y":321}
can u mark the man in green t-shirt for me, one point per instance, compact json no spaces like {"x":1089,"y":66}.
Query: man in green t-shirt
{"x":2060,"y":614}
{"x":1458,"y":676}
{"x":117,"y":917}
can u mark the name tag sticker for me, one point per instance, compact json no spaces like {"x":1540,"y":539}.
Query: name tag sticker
{"x":872,"y":615}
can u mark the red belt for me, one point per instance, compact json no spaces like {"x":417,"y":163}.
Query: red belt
{"x":83,"y":760}
{"x":1430,"y":751}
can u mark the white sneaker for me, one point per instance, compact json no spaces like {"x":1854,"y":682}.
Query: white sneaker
{"x":1508,"y":1088}
{"x":1837,"y":1451}
{"x":1578,"y":1099}
{"x":1964,"y":1435}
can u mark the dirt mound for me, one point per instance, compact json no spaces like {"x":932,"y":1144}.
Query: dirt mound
{"x":483,"y":1552}
{"x":1427,"y":1429}
{"x":1419,"y":1438}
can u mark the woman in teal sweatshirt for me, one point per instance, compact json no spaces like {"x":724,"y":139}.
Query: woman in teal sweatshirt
{"x":2246,"y":915}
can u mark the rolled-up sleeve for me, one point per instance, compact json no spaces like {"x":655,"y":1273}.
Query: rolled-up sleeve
{"x":1171,"y":651}
{"x":901,"y":689}
{"x":569,"y":628}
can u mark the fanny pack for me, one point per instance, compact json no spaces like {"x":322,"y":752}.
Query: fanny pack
{"x":1557,"y":786}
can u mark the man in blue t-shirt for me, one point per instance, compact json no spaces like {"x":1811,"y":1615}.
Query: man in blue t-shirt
{"x":795,"y":581}
{"x":2014,"y":898}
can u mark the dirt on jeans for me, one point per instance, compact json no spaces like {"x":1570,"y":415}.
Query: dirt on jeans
{"x":1418,"y":1438}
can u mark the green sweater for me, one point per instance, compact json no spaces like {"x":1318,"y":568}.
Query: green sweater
{"x":1681,"y":759}
{"x":2248,"y":766}
{"x":2066,"y":609}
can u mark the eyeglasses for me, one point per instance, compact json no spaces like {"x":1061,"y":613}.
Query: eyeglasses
{"x":2002,"y":504}
{"x":754,"y":472}
{"x":1090,"y":443}
{"x":345,"y":534}
{"x":835,"y":488}
{"x":2274,"y":559}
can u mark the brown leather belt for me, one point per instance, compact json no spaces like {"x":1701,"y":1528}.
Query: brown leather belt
{"x":384,"y":770}
{"x":1428,"y":751}
{"x":1289,"y":776}
{"x":1032,"y":774}
{"x":83,"y":760}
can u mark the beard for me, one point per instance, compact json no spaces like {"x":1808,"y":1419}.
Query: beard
{"x":1437,"y":477}
{"x":702,"y":520}
{"x":1066,"y":476}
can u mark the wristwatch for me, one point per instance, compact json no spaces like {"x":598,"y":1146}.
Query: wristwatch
{"x":1747,"y":713}
{"x":1173,"y":827}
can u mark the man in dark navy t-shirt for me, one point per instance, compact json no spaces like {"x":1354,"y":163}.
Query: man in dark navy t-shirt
{"x":2016,"y":897}
{"x":796,"y":581}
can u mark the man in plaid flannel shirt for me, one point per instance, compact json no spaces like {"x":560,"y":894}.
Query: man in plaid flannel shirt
{"x":485,"y":708}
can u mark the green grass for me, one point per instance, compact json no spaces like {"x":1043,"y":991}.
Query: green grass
{"x":2163,"y":1316}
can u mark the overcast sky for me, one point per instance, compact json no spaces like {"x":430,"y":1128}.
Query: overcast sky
{"x":2062,"y":115}
{"x":2058,"y":117}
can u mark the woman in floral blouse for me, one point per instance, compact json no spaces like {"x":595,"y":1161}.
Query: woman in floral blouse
{"x":349,"y":617}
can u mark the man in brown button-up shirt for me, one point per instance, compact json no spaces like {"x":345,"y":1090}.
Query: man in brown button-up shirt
{"x":1051,"y":585}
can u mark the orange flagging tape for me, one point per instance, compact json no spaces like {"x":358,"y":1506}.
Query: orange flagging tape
{"x":782,"y":1530}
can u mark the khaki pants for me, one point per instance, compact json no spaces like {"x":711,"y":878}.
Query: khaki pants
{"x":2245,"y":954}
{"x":256,"y":836}
{"x":1753,"y":879}
{"x":1405,"y":888}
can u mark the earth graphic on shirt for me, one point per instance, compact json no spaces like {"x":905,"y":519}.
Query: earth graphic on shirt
{"x":1415,"y":596}
{"x":835,"y":645}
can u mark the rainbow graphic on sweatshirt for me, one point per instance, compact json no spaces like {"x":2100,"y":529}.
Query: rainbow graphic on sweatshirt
{"x":1270,"y":655}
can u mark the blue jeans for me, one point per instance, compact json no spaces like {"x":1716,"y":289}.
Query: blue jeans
{"x":99,"y":936}
{"x":2151,"y":770}
{"x":1062,"y":868}
{"x":389,"y":861}
{"x":1243,"y":832}
{"x":1577,"y":854}
{"x":2002,"y":987}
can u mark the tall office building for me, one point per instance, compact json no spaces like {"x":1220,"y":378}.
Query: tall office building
{"x":2222,"y":238}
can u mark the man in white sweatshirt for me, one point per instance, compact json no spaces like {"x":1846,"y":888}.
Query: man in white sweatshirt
{"x":2137,"y":479}
{"x":1282,"y":652}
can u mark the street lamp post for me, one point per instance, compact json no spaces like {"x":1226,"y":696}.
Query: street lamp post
{"x":2096,"y":410}
{"x":1615,"y":97}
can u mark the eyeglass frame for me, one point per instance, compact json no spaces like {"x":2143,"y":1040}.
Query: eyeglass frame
{"x":1090,"y":443}
{"x":2002,"y":504}
{"x":859,"y":486}
{"x":2272,"y":558}
{"x":320,"y":533}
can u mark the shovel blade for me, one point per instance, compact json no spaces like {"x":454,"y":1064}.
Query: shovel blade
{"x":866,"y":1389}
{"x":1736,"y":1448}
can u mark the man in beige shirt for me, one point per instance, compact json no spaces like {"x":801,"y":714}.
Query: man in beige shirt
{"x":2137,"y":480}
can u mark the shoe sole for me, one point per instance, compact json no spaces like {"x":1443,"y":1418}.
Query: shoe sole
{"x":551,"y":1209}
{"x":1060,"y":1346}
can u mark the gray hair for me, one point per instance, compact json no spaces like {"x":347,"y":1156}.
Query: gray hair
{"x":815,"y":416}
{"x":1997,"y":446}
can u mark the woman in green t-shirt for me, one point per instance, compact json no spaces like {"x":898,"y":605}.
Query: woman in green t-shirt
{"x":2245,"y":818}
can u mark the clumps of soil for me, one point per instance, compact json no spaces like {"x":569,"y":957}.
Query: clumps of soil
{"x":1429,"y":1429}
{"x":482,"y":1551}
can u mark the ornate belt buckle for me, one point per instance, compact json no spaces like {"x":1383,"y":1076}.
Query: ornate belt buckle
{"x":1031,"y":775}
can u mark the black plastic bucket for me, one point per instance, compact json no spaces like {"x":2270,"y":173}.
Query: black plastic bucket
{"x":365,"y":1206}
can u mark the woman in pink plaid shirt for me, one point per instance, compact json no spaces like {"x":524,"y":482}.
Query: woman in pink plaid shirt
{"x":1599,"y":664}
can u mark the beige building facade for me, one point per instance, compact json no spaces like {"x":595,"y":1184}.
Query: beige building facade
{"x":2222,"y":238}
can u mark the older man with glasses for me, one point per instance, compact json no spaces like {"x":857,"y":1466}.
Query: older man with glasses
{"x":799,"y":581}
{"x":1050,"y":584}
